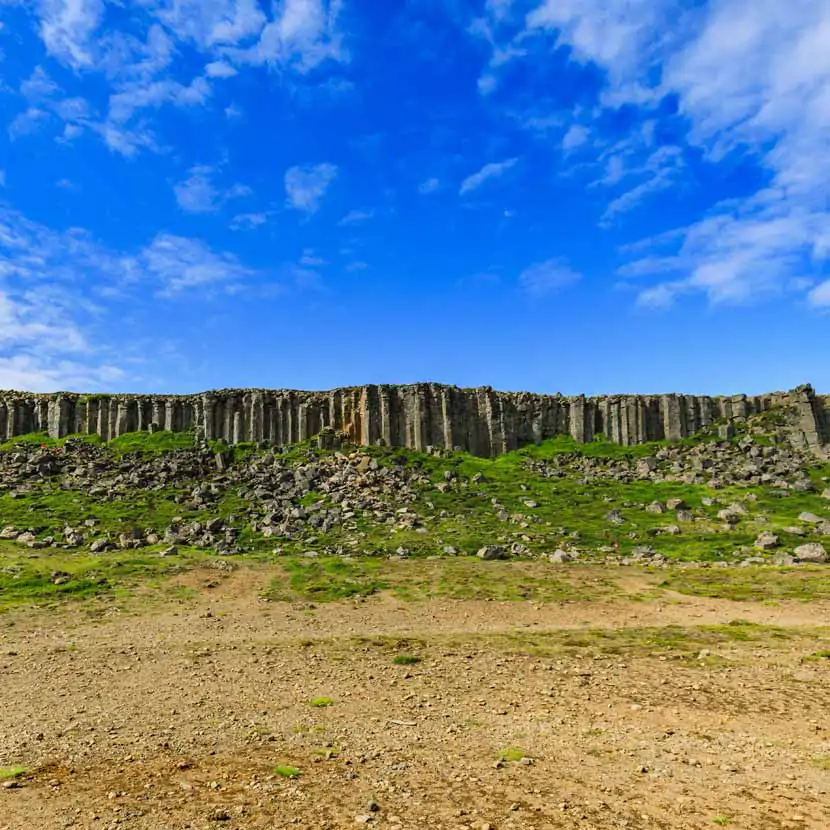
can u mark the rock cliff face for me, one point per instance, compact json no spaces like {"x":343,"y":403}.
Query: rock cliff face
{"x":481,"y":420}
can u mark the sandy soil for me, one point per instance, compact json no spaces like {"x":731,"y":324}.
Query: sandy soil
{"x":174,"y":715}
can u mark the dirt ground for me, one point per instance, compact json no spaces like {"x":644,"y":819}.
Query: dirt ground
{"x":175,"y":714}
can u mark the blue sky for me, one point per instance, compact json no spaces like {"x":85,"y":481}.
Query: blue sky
{"x":555,"y":195}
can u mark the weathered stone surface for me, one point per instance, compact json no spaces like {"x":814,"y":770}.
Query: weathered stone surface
{"x":481,"y":421}
{"x":813,"y":552}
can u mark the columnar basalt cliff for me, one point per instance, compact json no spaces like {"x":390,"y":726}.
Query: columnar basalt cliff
{"x":482,"y":421}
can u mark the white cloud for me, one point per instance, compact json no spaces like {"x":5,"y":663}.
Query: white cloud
{"x":220,"y":69}
{"x":306,"y":186}
{"x":197,"y":194}
{"x":661,"y":171}
{"x":548,"y":277}
{"x":489,"y":171}
{"x":248,"y":221}
{"x":180,"y":263}
{"x":27,"y":122}
{"x":820,"y":295}
{"x":576,"y":136}
{"x":354,"y":217}
{"x":67,"y":28}
{"x":303,"y":35}
{"x":210,"y":23}
{"x":621,"y":36}
{"x":136,"y":96}
{"x":755,"y":80}
{"x":429,"y":186}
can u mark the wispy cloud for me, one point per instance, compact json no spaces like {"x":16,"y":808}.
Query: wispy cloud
{"x":575,"y":137}
{"x":429,"y":186}
{"x":489,"y":171}
{"x":754,"y":80}
{"x":306,"y":186}
{"x":67,"y":28}
{"x":661,"y":170}
{"x":197,"y":193}
{"x":820,"y":295}
{"x":355,"y":217}
{"x":248,"y":221}
{"x":179,"y":263}
{"x":548,"y":277}
{"x":303,"y":34}
{"x":27,"y":122}
{"x":210,"y":23}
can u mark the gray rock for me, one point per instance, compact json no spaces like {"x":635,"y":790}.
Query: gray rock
{"x":812,"y":552}
{"x":767,"y":541}
{"x":490,"y":552}
{"x":614,"y":517}
{"x":656,"y":507}
{"x":811,"y":518}
{"x":560,"y":557}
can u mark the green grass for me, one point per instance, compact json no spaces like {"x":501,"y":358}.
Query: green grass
{"x":329,"y":579}
{"x":512,"y":755}
{"x":406,"y":659}
{"x":152,"y":442}
{"x":287,"y":771}
{"x":26,"y":577}
{"x":10,"y":773}
{"x":752,"y":584}
{"x":823,"y":654}
{"x":722,"y":821}
{"x":676,"y":642}
{"x":321,"y":702}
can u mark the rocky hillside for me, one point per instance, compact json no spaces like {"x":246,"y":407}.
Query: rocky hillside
{"x":78,"y":513}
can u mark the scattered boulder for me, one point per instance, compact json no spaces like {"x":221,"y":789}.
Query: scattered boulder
{"x":490,"y":552}
{"x":812,"y":552}
{"x":767,"y":541}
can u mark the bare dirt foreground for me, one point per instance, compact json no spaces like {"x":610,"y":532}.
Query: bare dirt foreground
{"x":646,"y":709}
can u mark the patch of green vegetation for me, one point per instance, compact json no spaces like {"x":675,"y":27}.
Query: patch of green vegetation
{"x":722,"y":821}
{"x":752,"y":584}
{"x":512,"y":754}
{"x":321,"y":702}
{"x":10,"y":773}
{"x":406,"y":659}
{"x":326,"y":579}
{"x":823,"y":654}
{"x":48,"y":576}
{"x":152,"y":443}
{"x":822,"y":762}
{"x":677,"y":642}
{"x":287,"y":771}
{"x":331,"y":578}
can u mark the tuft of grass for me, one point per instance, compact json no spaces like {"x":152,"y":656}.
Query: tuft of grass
{"x":406,"y":659}
{"x":722,"y":821}
{"x":512,"y":754}
{"x":321,"y":702}
{"x":823,"y":654}
{"x":822,"y":763}
{"x":10,"y":773}
{"x":287,"y":771}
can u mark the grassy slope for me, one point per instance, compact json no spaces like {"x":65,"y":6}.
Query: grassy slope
{"x":566,"y":506}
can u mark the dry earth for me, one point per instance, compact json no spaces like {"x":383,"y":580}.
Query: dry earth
{"x":155,"y":714}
